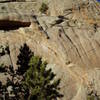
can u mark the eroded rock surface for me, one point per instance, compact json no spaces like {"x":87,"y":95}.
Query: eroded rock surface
{"x":68,"y":37}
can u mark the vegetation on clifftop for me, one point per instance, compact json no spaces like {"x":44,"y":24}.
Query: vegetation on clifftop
{"x":43,"y":8}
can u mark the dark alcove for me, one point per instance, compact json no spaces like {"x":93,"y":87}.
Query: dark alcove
{"x":8,"y":25}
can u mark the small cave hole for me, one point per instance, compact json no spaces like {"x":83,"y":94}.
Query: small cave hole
{"x":8,"y":25}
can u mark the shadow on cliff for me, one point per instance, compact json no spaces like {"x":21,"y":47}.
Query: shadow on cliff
{"x":8,"y":25}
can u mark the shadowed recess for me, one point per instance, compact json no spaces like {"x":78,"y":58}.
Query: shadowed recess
{"x":8,"y":25}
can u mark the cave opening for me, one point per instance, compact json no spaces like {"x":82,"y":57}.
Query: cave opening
{"x":8,"y":25}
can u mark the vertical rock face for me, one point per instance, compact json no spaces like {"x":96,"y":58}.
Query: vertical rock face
{"x":68,"y":38}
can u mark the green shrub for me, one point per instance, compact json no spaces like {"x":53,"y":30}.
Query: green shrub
{"x":43,"y":8}
{"x":33,"y":80}
{"x":23,"y":59}
{"x":90,"y":98}
{"x":40,"y":81}
{"x":2,"y":68}
{"x":93,"y":97}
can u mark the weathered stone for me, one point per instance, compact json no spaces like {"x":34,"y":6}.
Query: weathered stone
{"x":5,"y":60}
{"x":73,"y":47}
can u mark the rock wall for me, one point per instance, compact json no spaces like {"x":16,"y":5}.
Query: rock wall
{"x":68,"y":38}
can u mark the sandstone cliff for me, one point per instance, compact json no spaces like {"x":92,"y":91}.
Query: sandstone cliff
{"x":68,"y":37}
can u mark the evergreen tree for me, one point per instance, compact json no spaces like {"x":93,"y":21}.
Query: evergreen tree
{"x":34,"y":81}
{"x":23,"y":59}
{"x":40,"y":81}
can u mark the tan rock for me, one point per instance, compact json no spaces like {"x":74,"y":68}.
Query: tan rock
{"x":72,"y":49}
